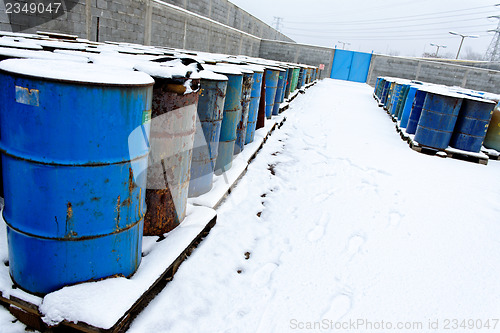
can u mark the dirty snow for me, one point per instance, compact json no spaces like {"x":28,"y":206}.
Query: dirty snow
{"x":338,"y":220}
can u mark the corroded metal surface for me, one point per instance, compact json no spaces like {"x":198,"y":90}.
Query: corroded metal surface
{"x":232,"y":115}
{"x":172,"y":136}
{"x":206,"y":140}
{"x":261,"y":114}
{"x":492,"y":139}
{"x":253,"y":112}
{"x":71,"y":168}
{"x":241,"y":129}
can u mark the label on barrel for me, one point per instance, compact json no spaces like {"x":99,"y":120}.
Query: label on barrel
{"x":27,"y":96}
{"x":146,"y":116}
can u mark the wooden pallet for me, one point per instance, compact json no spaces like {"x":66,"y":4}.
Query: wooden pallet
{"x":491,"y":153}
{"x":30,"y":315}
{"x":450,"y":153}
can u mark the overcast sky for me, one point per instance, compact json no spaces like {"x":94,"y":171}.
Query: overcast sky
{"x":384,"y":26}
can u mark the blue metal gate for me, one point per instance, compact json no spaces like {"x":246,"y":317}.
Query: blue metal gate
{"x":350,"y":65}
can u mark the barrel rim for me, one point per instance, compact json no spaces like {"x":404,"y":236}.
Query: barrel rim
{"x":15,"y":73}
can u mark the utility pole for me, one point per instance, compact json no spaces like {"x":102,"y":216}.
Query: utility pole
{"x":493,"y":51}
{"x":344,"y":44}
{"x":438,"y":46}
{"x":277,"y":22}
{"x":462,"y":41}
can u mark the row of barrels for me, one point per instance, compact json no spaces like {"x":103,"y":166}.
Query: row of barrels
{"x":102,"y":143}
{"x":441,"y":116}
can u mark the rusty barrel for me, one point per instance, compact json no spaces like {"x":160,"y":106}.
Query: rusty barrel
{"x":173,"y":125}
{"x":261,"y":114}
{"x":254,"y":102}
{"x":472,"y":124}
{"x":438,"y":118}
{"x":74,"y":148}
{"x":206,"y":140}
{"x":231,"y":117}
{"x":246,"y":92}
{"x":492,"y":138}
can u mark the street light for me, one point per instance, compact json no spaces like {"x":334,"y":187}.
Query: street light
{"x":461,"y":42}
{"x":438,"y":46}
{"x":344,"y":44}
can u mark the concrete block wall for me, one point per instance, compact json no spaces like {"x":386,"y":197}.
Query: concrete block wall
{"x":434,"y":72}
{"x":298,"y":53}
{"x":229,"y":14}
{"x":201,"y":25}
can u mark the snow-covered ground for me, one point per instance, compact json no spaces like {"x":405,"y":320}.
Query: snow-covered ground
{"x":339,"y":226}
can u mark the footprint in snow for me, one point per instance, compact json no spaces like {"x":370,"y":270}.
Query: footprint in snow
{"x":395,"y":218}
{"x":263,"y":275}
{"x":340,"y":306}
{"x":354,"y":244}
{"x":316,"y":234}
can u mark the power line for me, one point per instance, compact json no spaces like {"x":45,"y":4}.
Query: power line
{"x":385,"y":28}
{"x":398,"y":18}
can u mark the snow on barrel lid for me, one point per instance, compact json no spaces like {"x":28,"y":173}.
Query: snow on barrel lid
{"x":173,"y":69}
{"x":237,"y":67}
{"x":231,"y":70}
{"x":210,"y":75}
{"x":20,"y":53}
{"x":75,"y":72}
{"x":20,"y":43}
{"x":440,"y":90}
{"x":255,"y":68}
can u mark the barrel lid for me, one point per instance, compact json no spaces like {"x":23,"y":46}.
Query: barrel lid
{"x":231,"y":70}
{"x":440,"y":90}
{"x":68,"y":71}
{"x":30,"y":54}
{"x":241,"y":68}
{"x":209,"y":75}
{"x":254,"y":68}
{"x":57,"y":35}
{"x":478,"y":99}
{"x":173,"y":69}
{"x":55,"y":44}
{"x":20,"y":43}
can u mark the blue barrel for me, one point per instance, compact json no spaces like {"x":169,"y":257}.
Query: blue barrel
{"x":472,"y":124}
{"x":254,"y":104}
{"x":384,"y":92}
{"x":74,"y":178}
{"x":272,"y":76}
{"x":401,"y":102}
{"x":241,"y":128}
{"x":416,"y":110}
{"x":279,"y":92}
{"x":438,"y":118}
{"x":395,"y":97}
{"x":302,"y":77}
{"x":410,"y":97}
{"x":206,"y":140}
{"x":231,"y":117}
{"x":388,"y":100}
{"x":376,"y":89}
